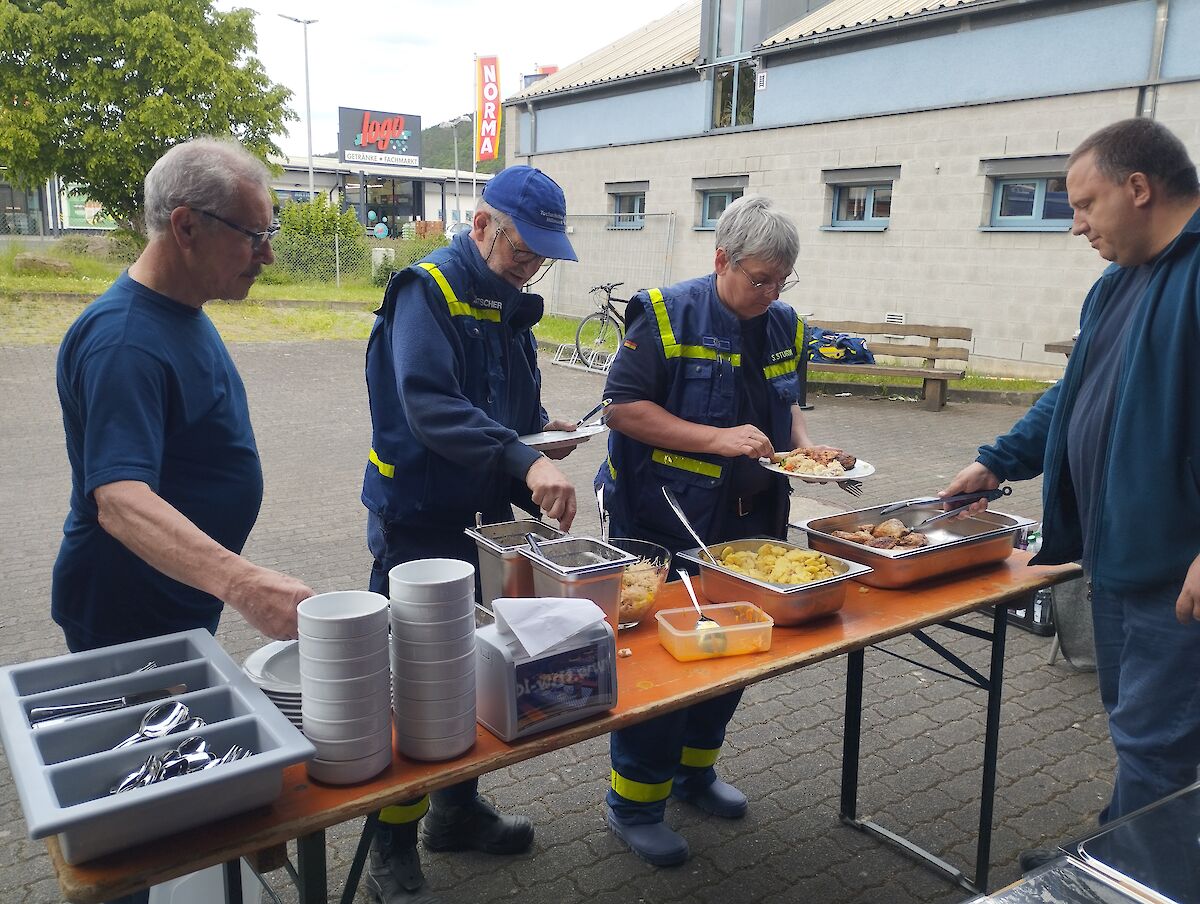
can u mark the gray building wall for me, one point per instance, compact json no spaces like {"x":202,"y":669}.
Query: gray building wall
{"x":959,"y":93}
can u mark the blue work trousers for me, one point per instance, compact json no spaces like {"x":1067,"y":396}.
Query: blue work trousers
{"x":1146,"y":662}
{"x":650,"y":753}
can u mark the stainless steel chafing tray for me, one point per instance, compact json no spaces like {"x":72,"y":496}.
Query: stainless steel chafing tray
{"x":787,"y":604}
{"x":503,"y":572}
{"x":955,"y":544}
{"x":580,"y":568}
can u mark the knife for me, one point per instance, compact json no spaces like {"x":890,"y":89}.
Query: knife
{"x":62,"y":712}
{"x":962,"y":499}
{"x":604,"y":403}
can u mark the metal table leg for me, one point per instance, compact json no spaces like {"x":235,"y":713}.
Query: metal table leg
{"x":370,"y":826}
{"x":311,"y":876}
{"x":232,"y":872}
{"x":993,"y":684}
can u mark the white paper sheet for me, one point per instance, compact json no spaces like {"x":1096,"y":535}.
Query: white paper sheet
{"x":539,"y":624}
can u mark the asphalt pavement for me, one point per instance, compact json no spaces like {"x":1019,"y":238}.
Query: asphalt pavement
{"x":922,"y":733}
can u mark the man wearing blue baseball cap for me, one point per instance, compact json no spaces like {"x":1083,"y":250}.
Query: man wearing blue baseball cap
{"x":453,"y":380}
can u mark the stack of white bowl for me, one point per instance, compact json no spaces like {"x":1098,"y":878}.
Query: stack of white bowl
{"x":346,"y":684}
{"x":433,"y":657}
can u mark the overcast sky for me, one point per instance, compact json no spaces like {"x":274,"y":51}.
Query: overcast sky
{"x":416,"y":56}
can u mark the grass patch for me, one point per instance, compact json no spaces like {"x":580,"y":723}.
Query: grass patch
{"x":556,"y":330}
{"x":970,"y":381}
{"x":45,"y":322}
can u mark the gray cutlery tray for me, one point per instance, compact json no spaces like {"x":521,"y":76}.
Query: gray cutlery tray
{"x":63,"y":772}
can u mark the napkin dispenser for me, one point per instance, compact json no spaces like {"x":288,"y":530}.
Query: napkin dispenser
{"x":519,"y":695}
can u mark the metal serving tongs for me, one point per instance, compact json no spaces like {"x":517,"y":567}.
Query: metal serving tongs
{"x":603,"y":513}
{"x":961,"y":500}
{"x":683,"y":519}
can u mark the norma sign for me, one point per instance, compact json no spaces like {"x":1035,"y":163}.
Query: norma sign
{"x":370,"y":136}
{"x":487,"y":108}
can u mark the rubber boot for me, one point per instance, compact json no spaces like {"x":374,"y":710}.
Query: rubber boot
{"x":718,"y":799}
{"x":655,"y":842}
{"x":476,"y":826}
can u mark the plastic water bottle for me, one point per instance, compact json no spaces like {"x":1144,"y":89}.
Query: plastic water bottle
{"x":1034,"y":541}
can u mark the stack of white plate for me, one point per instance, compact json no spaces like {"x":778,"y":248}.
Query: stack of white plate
{"x":433,"y":657}
{"x":346,"y":684}
{"x":275,"y":668}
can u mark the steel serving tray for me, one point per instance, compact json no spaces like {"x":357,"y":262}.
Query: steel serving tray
{"x":503,"y":572}
{"x":63,"y":772}
{"x":787,"y":604}
{"x":954,"y":544}
{"x":580,"y":568}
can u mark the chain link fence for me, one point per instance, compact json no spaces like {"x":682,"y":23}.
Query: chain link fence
{"x":637,"y":254}
{"x":343,"y":259}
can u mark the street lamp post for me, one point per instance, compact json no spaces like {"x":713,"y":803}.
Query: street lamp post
{"x":307,"y":98}
{"x":453,"y":126}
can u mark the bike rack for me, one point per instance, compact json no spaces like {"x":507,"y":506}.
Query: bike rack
{"x":568,"y":356}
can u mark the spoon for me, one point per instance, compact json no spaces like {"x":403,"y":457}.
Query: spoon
{"x":678,"y":510}
{"x":158,"y":721}
{"x":687,"y":583}
{"x":532,"y":540}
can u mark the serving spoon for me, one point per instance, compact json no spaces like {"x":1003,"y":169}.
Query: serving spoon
{"x":158,"y":721}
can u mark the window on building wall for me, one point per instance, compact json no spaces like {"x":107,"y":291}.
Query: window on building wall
{"x":1032,"y":202}
{"x":862,"y":205}
{"x":713,"y":204}
{"x":733,"y":94}
{"x":1028,"y":194}
{"x":860,"y":198}
{"x":626,"y":204}
{"x":629,"y":210}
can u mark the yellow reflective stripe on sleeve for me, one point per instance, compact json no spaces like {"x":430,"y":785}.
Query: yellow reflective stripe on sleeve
{"x":399,"y":815}
{"x":640,"y":792}
{"x":458,"y":308}
{"x":778,"y":370}
{"x":700,"y":759}
{"x":384,"y":468}
{"x":683,"y":463}
{"x":665,"y":333}
{"x":612,"y":470}
{"x":799,"y":336}
{"x":700,"y":351}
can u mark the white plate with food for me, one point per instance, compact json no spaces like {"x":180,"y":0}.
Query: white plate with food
{"x":818,"y":465}
{"x":561,"y":439}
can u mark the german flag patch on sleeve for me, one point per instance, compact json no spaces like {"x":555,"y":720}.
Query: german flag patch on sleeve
{"x":628,"y":344}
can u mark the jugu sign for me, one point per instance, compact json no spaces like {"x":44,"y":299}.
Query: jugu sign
{"x":372,"y":136}
{"x":487,"y":108}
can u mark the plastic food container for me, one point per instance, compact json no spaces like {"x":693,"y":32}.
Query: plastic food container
{"x":643,"y":580}
{"x":63,"y":772}
{"x":583,"y":569}
{"x":503,"y":573}
{"x":743,"y":628}
{"x":787,"y":604}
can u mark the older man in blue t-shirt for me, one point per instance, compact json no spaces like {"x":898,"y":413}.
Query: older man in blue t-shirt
{"x":165,"y":476}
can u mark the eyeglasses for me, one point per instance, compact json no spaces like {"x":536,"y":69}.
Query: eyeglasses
{"x":780,"y":285}
{"x":256,"y":238}
{"x":520,"y":255}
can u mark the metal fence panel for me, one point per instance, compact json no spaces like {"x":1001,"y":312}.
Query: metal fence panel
{"x":639,"y":257}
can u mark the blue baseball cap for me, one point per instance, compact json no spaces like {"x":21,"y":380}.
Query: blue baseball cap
{"x":538,"y":207}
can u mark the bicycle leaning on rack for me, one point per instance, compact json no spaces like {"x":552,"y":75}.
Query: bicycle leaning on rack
{"x":601,"y":332}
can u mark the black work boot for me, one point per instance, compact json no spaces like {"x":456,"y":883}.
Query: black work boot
{"x":394,"y":872}
{"x":475,"y":827}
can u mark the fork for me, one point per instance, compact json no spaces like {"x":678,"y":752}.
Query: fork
{"x":853,"y":487}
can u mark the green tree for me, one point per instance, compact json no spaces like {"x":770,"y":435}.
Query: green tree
{"x":97,"y":90}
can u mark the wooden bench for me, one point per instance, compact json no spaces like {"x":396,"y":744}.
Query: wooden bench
{"x":935,"y":379}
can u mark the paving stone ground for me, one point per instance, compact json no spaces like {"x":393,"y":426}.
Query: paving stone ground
{"x":921,"y":733}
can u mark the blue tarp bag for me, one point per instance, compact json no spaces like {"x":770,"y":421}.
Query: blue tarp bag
{"x":826,"y":347}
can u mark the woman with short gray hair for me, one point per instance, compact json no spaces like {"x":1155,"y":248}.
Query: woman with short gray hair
{"x":705,"y":385}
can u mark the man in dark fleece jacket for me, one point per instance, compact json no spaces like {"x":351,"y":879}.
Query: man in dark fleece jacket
{"x":1118,"y":440}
